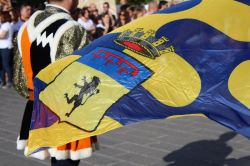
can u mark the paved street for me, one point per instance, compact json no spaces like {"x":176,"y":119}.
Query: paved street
{"x":189,"y":141}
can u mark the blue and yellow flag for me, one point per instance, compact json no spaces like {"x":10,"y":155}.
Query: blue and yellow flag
{"x":191,"y":59}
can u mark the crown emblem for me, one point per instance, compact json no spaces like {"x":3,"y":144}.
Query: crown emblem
{"x":144,"y":43}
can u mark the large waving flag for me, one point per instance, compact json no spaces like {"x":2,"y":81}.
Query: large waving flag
{"x":191,"y":59}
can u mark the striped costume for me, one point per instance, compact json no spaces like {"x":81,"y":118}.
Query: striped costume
{"x":48,"y":36}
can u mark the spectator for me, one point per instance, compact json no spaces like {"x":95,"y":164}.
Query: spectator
{"x":92,"y":8}
{"x":95,"y":13}
{"x":123,"y":5}
{"x":14,"y":13}
{"x":162,"y":5}
{"x":131,"y":12}
{"x":123,"y":18}
{"x":76,"y":14}
{"x":104,"y":26}
{"x":25,"y":13}
{"x":6,"y":34}
{"x":140,"y":12}
{"x":152,"y":7}
{"x":106,"y":10}
{"x":86,"y":22}
{"x":123,"y":2}
{"x":94,"y":16}
{"x":14,"y":20}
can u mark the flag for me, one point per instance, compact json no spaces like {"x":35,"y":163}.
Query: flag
{"x":191,"y":59}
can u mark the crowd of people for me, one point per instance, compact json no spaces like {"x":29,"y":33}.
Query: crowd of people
{"x":11,"y":20}
{"x":96,"y":22}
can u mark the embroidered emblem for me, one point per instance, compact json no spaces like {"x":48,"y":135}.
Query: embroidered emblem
{"x":87,"y":90}
{"x":144,"y":43}
{"x":123,"y":66}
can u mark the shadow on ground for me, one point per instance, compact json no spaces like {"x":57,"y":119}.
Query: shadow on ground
{"x":206,"y":153}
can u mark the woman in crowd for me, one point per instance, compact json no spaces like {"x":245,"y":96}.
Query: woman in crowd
{"x":94,"y":15}
{"x":76,"y":14}
{"x":6,"y":34}
{"x":123,"y":18}
{"x":140,"y":12}
{"x":104,"y":26}
{"x":86,"y":22}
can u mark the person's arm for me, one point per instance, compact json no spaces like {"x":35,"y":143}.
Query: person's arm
{"x":4,"y":31}
{"x":3,"y":34}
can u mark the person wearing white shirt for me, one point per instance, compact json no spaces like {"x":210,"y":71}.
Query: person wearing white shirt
{"x":6,"y":33}
{"x":85,"y":21}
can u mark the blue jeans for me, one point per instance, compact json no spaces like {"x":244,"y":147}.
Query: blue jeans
{"x":5,"y":67}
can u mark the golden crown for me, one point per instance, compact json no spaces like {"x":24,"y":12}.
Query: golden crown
{"x":144,"y":43}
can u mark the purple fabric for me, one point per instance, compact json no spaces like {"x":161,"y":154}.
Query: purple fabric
{"x":42,"y":117}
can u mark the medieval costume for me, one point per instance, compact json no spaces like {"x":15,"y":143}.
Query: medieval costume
{"x":48,"y":36}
